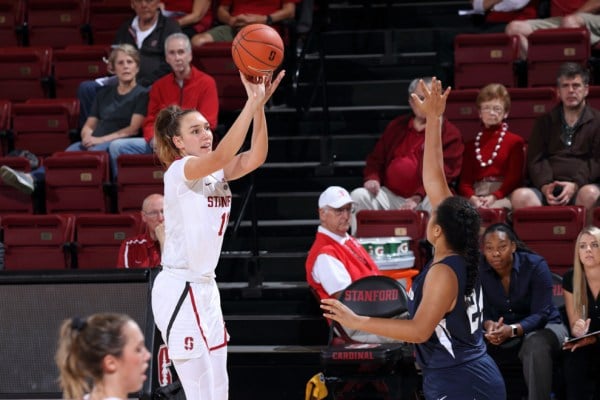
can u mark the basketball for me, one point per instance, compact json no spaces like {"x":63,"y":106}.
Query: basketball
{"x":257,"y":50}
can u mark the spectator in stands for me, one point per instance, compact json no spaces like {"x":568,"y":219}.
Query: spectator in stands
{"x":497,"y":13}
{"x":562,"y":154}
{"x":392,"y":175}
{"x":580,"y":289}
{"x":519,"y":318}
{"x":143,"y":250}
{"x":186,"y":86}
{"x":493,"y":162}
{"x":147,"y":32}
{"x":564,"y":14}
{"x":193,"y":16}
{"x":118,"y":111}
{"x":336,"y":259}
{"x":102,"y":356}
{"x":235,"y":14}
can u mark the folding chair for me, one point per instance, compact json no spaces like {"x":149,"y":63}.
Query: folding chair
{"x":551,"y":231}
{"x":99,"y":236}
{"x":548,"y":48}
{"x":25,"y":72}
{"x":37,"y":242}
{"x":478,"y":57}
{"x":75,"y":182}
{"x":75,"y":64}
{"x":384,"y":371}
{"x":139,"y":176}
{"x":386,"y":223}
{"x":56,"y":23}
{"x":44,"y":126}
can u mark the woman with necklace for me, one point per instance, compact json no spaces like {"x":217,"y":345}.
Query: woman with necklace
{"x":101,"y":357}
{"x":445,"y":299}
{"x":493,"y":163}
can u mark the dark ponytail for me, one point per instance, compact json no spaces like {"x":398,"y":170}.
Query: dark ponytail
{"x":460,"y":222}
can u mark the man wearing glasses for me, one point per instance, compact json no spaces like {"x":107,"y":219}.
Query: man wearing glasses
{"x":336,"y":259}
{"x":143,"y":250}
{"x":562,"y":154}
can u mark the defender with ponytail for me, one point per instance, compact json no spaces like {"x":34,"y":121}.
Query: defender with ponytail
{"x":445,"y":299}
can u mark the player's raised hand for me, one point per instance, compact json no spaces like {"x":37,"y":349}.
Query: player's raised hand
{"x":433,"y":104}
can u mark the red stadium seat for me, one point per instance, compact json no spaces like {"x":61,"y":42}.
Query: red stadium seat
{"x":5,"y":115}
{"x":75,"y":64}
{"x":348,"y":365}
{"x":106,"y":17}
{"x":215,"y":59}
{"x":12,"y":18}
{"x":43,"y":126}
{"x":37,"y":242}
{"x":596,"y":217}
{"x":480,"y":59}
{"x":14,"y":201}
{"x":548,"y":48}
{"x":593,"y":98}
{"x":551,"y":231}
{"x":25,"y":72}
{"x":75,"y":182}
{"x":386,"y":223}
{"x":462,"y":111}
{"x":99,"y":236}
{"x":490,"y":216}
{"x":527,"y":104}
{"x":56,"y":23}
{"x":139,"y":176}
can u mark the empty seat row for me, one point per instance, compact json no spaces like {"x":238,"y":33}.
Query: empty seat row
{"x":37,"y":72}
{"x":480,"y":59}
{"x":62,"y":241}
{"x":549,"y":231}
{"x":61,"y":23}
{"x":79,"y":182}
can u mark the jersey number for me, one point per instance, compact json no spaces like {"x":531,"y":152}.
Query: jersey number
{"x":475,"y":303}
{"x":224,"y":219}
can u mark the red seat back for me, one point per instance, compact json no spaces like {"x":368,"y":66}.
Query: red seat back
{"x":139,"y":176}
{"x":480,"y":59}
{"x":551,"y":231}
{"x":99,"y":236}
{"x":12,"y":18}
{"x":56,"y":23}
{"x":385,"y":223}
{"x":548,"y":48}
{"x":25,"y":72}
{"x":75,"y":64}
{"x":462,"y":111}
{"x":106,"y":18}
{"x":527,"y":104}
{"x":75,"y":182}
{"x":37,"y":242}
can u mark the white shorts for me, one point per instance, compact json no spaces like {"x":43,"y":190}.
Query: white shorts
{"x":198,"y":327}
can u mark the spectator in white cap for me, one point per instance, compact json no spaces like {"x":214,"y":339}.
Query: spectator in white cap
{"x":336,"y":259}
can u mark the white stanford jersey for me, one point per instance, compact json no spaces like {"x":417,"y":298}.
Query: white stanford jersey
{"x":196,"y":216}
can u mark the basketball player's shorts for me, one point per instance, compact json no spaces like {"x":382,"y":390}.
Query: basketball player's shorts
{"x":188,"y":315}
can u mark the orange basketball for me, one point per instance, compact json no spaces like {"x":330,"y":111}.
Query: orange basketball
{"x":257,"y":50}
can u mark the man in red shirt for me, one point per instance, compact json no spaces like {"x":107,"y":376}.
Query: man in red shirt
{"x":564,"y":14}
{"x":392,"y":175}
{"x":185,"y":86}
{"x":143,"y":250}
{"x":235,"y":14}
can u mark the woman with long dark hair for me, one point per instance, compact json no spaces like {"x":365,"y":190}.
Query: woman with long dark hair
{"x":445,"y":300}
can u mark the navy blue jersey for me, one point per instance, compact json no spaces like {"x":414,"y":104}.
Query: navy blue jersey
{"x":458,"y":337}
